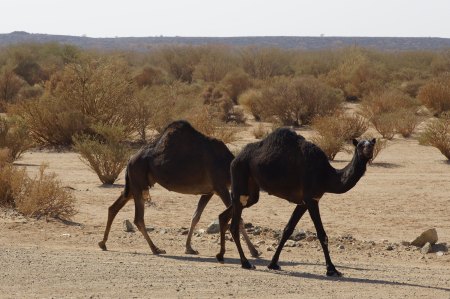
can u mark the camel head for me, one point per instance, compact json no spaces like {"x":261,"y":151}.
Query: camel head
{"x":364,"y":148}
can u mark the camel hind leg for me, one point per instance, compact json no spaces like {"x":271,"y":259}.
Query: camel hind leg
{"x":225,"y":196}
{"x":139,"y":220}
{"x":204,"y":199}
{"x":112,"y":212}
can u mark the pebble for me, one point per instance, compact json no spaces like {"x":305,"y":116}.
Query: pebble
{"x":426,"y":248}
{"x":440,"y":253}
{"x":389,"y":247}
{"x":270,"y":248}
{"x":290,"y":243}
{"x":341,"y":247}
{"x":127,"y":226}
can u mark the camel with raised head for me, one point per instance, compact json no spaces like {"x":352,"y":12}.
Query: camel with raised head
{"x":286,"y":165}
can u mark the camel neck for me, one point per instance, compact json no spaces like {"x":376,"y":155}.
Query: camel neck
{"x":345,"y":179}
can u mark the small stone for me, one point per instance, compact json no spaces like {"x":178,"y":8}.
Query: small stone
{"x":270,"y":248}
{"x":184,"y":232}
{"x":149,"y":228}
{"x":440,"y":253}
{"x":290,"y":243}
{"x":162,"y":231}
{"x":127,"y":226}
{"x":257,"y":231}
{"x":341,"y":247}
{"x":213,"y":227}
{"x":201,"y":231}
{"x":66,"y":235}
{"x":298,"y":235}
{"x":429,"y":236}
{"x":426,"y":248}
{"x":405,"y":243}
{"x":389,"y":247}
{"x":261,"y":242}
{"x":248,"y":225}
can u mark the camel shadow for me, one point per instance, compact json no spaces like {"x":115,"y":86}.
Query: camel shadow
{"x":112,"y":186}
{"x":261,"y":262}
{"x":25,"y":164}
{"x":264,"y":262}
{"x":354,"y":279}
{"x":385,"y":165}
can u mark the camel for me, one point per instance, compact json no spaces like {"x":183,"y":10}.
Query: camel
{"x":181,"y":160}
{"x":286,"y":165}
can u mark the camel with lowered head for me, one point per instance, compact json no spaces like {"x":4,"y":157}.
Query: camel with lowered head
{"x":181,"y":160}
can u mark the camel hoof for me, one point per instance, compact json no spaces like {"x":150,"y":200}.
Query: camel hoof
{"x":102,"y":245}
{"x":256,"y":253}
{"x":274,"y":267}
{"x":334,"y":273}
{"x":219,"y":258}
{"x":159,"y":251}
{"x":248,"y":266}
{"x":191,"y":251}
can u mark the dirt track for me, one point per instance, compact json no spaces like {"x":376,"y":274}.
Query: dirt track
{"x":405,"y":192}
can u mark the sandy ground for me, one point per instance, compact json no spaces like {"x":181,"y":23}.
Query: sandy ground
{"x":405,"y":192}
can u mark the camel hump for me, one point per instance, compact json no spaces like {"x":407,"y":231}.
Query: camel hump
{"x":284,"y":137}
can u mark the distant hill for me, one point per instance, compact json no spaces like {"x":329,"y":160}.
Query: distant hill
{"x":287,"y":42}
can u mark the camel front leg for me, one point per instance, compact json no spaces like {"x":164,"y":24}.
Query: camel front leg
{"x":288,"y":230}
{"x":313,"y":208}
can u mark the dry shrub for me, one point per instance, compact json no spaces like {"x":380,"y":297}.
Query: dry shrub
{"x":215,"y":63}
{"x":387,"y":101}
{"x":82,"y":94}
{"x":297,"y":101}
{"x":344,"y":126}
{"x":44,"y":196}
{"x":357,"y":75}
{"x":50,"y":121}
{"x":437,"y":134}
{"x":385,"y":124}
{"x":10,"y":85}
{"x":220,"y":102}
{"x":105,"y":154}
{"x":14,"y":136}
{"x":406,"y":122}
{"x":10,"y":179}
{"x":204,"y":120}
{"x":251,"y":101}
{"x":263,"y":63}
{"x":334,"y":131}
{"x":150,"y":75}
{"x":260,"y":131}
{"x":235,"y":83}
{"x":436,"y":94}
{"x":330,"y":144}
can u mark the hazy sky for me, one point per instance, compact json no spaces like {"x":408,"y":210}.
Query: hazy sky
{"x":102,"y":18}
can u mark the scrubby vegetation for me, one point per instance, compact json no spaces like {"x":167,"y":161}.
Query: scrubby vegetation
{"x":99,"y":102}
{"x":437,"y":134}
{"x":42,"y":196}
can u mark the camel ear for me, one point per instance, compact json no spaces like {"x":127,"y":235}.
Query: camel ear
{"x":374,"y":140}
{"x":355,"y":142}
